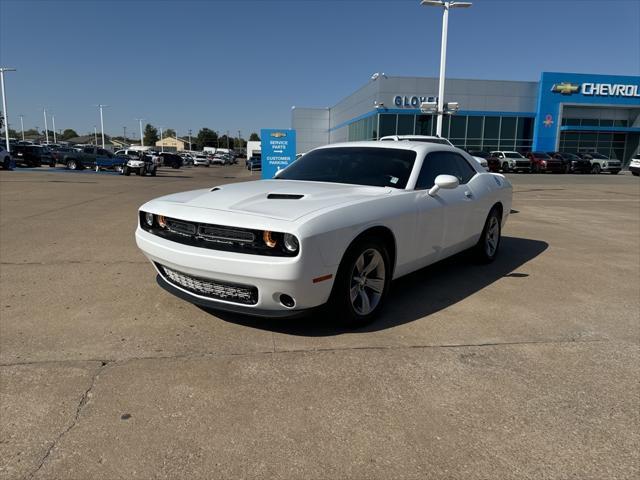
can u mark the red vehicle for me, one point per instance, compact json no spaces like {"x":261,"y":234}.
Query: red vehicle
{"x":543,"y":162}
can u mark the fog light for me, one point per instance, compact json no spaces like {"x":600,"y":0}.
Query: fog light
{"x":291,"y":243}
{"x":148,"y":218}
{"x":287,"y":301}
{"x":269,"y":241}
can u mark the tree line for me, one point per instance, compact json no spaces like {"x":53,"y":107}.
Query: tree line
{"x":204,"y":138}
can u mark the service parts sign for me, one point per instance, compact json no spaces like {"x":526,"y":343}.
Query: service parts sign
{"x":278,"y":150}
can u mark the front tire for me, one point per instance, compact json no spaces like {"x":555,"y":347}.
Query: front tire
{"x":596,"y":169}
{"x":362,"y":283}
{"x":72,"y":165}
{"x":487,"y":247}
{"x":505,"y":167}
{"x":127,"y":171}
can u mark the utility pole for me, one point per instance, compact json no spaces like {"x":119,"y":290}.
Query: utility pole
{"x":22,"y":125}
{"x":53,"y":120}
{"x":46,"y":128}
{"x":161,"y":144}
{"x":190,"y":140}
{"x":141,"y":137}
{"x":100,"y":106}
{"x":4,"y":106}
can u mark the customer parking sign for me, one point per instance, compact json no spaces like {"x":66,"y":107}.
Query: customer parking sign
{"x":278,"y":150}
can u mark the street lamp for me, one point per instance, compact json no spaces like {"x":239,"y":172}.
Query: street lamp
{"x":141,"y":137}
{"x":53,"y":121}
{"x":100,"y":106}
{"x":46,"y":127}
{"x":4,"y":106}
{"x":22,"y":125}
{"x":446,"y":5}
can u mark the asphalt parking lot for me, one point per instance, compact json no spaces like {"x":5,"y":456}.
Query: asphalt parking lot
{"x":526,"y":368}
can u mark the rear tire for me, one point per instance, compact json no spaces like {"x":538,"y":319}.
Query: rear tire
{"x":489,"y":243}
{"x":361,"y":284}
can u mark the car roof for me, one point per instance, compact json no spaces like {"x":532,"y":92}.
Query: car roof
{"x":420,"y":147}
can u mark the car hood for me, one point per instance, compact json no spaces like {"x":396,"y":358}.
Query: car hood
{"x":278,"y":199}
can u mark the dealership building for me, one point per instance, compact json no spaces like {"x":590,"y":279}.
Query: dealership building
{"x":563,"y":111}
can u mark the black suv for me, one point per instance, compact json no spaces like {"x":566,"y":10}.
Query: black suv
{"x":573,"y":161}
{"x":31,"y":155}
{"x":172,"y":160}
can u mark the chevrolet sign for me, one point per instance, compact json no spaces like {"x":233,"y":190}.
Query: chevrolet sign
{"x":599,"y":89}
{"x":278,"y":134}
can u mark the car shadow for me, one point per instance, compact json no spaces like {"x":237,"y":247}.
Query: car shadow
{"x":413,"y":296}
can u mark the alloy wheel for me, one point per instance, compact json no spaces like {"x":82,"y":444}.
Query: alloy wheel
{"x":492,"y":237}
{"x":367,"y":282}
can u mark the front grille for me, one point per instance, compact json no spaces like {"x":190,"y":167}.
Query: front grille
{"x":215,"y":289}
{"x":213,"y":233}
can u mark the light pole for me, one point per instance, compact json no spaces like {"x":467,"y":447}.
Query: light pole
{"x":100,"y":106}
{"x":141,"y":137}
{"x":446,"y":5}
{"x":190,"y":140}
{"x":53,"y":121}
{"x":161,"y":144}
{"x":46,"y":128}
{"x":4,"y":106}
{"x":22,"y":125}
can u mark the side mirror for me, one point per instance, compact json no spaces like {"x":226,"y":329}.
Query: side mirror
{"x":444,"y":181}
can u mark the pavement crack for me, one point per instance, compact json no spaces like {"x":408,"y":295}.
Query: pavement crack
{"x":272,"y":351}
{"x":84,"y":398}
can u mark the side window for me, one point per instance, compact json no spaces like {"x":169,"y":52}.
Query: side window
{"x":435,"y":163}
{"x":465,"y":170}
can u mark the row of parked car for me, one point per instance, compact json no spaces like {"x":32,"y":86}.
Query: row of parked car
{"x":541,"y":162}
{"x":127,"y":161}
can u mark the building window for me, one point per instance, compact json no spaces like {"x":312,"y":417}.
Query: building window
{"x":387,"y":124}
{"x":405,"y":124}
{"x":424,"y":124}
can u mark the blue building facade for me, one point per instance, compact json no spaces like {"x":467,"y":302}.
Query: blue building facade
{"x":562,"y":111}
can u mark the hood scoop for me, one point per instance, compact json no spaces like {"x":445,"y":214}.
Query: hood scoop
{"x":214,"y":189}
{"x":284,"y":196}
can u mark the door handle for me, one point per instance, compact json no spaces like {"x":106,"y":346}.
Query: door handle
{"x":468,"y":194}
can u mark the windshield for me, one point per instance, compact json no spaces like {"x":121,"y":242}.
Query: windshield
{"x":512,"y":155}
{"x":377,"y":167}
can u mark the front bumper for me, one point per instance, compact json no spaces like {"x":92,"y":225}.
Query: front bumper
{"x":271,"y":276}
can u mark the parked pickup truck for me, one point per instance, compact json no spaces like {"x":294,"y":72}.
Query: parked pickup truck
{"x":94,"y":157}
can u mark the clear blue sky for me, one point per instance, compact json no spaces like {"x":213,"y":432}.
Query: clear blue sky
{"x":241,"y":65}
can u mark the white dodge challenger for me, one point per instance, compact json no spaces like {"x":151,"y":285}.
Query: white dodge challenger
{"x":335,"y":227}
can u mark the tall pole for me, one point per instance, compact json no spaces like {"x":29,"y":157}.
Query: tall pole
{"x":53,"y":121}
{"x":22,"y":126}
{"x":141,"y":136}
{"x":443,"y":62}
{"x":4,"y":107}
{"x":190,"y":140}
{"x":161,"y":144}
{"x":46,"y":128}
{"x":102,"y":124}
{"x":95,"y":135}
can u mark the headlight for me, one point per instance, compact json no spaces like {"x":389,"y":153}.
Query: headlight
{"x":269,"y":239}
{"x":148,"y":218}
{"x":291,"y":243}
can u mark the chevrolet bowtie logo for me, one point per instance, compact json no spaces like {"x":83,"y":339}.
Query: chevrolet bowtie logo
{"x":565,"y":88}
{"x":278,"y":134}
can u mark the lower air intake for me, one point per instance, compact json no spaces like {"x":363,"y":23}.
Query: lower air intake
{"x":215,"y":289}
